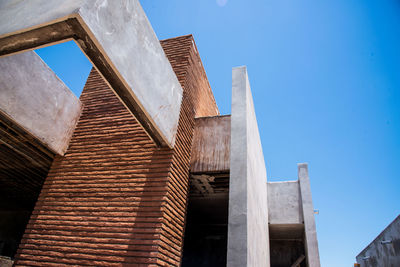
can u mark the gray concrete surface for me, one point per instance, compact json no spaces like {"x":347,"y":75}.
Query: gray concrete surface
{"x":248,"y":238}
{"x":33,"y":97}
{"x":284,"y":203}
{"x":6,"y":262}
{"x":118,"y":39}
{"x":384,"y":250}
{"x":211,"y":144}
{"x":311,"y":242}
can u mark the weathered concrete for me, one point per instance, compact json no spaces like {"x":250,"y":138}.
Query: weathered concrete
{"x":284,"y":203}
{"x":384,"y":250}
{"x":248,"y":239}
{"x":120,"y":42}
{"x":6,"y":262}
{"x":34,"y":98}
{"x":311,"y":242}
{"x":211,"y":145}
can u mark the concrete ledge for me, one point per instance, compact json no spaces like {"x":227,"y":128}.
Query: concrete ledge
{"x":118,"y":39}
{"x":248,"y":238}
{"x":34,"y":98}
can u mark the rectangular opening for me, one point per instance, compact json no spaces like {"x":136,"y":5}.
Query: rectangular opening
{"x":206,"y":233}
{"x":69,"y":63}
{"x":287,"y":245}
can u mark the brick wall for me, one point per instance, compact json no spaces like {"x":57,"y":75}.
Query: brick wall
{"x":182,"y":51}
{"x":115,"y":198}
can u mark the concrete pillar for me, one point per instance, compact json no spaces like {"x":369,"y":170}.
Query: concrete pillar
{"x":311,"y":242}
{"x":248,"y":239}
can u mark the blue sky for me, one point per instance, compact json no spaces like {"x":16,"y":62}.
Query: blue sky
{"x":326,"y":87}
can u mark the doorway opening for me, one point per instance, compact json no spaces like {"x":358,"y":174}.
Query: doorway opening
{"x":206,"y":233}
{"x":287,"y":246}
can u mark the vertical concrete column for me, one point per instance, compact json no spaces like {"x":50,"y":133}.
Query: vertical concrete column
{"x":248,"y":238}
{"x":311,"y":242}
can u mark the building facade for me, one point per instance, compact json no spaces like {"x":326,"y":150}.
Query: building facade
{"x":142,"y":169}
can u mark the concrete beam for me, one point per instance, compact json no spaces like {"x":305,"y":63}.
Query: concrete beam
{"x":248,"y":238}
{"x":118,"y":39}
{"x":211,"y":145}
{"x":34,"y":98}
{"x":311,"y":242}
{"x":284,"y":203}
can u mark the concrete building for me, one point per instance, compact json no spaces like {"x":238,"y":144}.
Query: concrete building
{"x":142,"y":169}
{"x":384,"y":250}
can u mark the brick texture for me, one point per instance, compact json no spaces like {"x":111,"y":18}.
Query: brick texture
{"x":115,"y":198}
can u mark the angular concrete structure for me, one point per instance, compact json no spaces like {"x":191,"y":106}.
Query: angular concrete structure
{"x":279,"y":225}
{"x":116,"y":197}
{"x":35,"y":99}
{"x":291,"y":222}
{"x":384,"y":250}
{"x":248,"y":206}
{"x":120,"y":42}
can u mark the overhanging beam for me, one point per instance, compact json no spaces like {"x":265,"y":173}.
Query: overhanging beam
{"x":120,"y":42}
{"x":35,"y":99}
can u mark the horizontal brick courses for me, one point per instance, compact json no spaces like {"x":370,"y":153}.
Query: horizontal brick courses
{"x":115,"y":198}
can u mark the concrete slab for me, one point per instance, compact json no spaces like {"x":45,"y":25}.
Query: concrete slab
{"x":284,"y":203}
{"x":311,"y":242}
{"x":119,"y":40}
{"x":384,"y":250}
{"x":211,"y":145}
{"x":34,"y":98}
{"x":286,"y":231}
{"x":248,"y":238}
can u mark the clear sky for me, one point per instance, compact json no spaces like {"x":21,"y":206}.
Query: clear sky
{"x":325,"y":77}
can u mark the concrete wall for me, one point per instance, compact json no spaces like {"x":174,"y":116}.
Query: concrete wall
{"x":284,"y":203}
{"x":248,"y":239}
{"x":384,"y":250}
{"x":34,"y":98}
{"x":211,"y":145}
{"x":120,"y":42}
